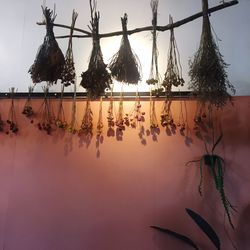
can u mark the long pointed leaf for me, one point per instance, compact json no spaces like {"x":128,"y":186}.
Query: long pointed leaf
{"x":178,"y":236}
{"x":205,"y":227}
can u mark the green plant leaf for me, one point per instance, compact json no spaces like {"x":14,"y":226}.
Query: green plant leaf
{"x":178,"y":236}
{"x":217,"y":142}
{"x":205,"y":227}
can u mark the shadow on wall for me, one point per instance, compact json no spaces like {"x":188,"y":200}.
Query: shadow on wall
{"x":243,"y":229}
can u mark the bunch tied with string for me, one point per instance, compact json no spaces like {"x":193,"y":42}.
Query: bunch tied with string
{"x":96,"y":79}
{"x":125,"y":65}
{"x":173,"y":74}
{"x":49,"y":62}
{"x":208,"y":76}
{"x":68,"y":74}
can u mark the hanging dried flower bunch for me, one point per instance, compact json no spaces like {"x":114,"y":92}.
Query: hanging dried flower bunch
{"x":136,"y":116}
{"x":60,"y":119}
{"x":1,"y":124}
{"x":154,"y":77}
{"x":181,"y":124}
{"x":86,"y":128}
{"x":166,"y":115}
{"x":124,"y":65}
{"x":49,"y":62}
{"x":152,"y":115}
{"x":110,"y":116}
{"x":12,"y":123}
{"x":72,"y":128}
{"x":27,"y":109}
{"x":68,"y":74}
{"x":173,"y":75}
{"x":47,"y":117}
{"x":208,"y":76}
{"x":96,"y":79}
{"x":120,"y":115}
{"x":99,"y":127}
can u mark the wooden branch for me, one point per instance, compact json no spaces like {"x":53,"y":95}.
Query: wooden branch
{"x":67,"y":27}
{"x":150,"y":28}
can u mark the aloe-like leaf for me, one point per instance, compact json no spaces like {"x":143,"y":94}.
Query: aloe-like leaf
{"x":205,"y":227}
{"x":217,"y":142}
{"x":178,"y":236}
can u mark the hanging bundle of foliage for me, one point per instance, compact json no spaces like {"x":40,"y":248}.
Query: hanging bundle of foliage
{"x":125,"y":65}
{"x":49,"y":62}
{"x":110,"y":116}
{"x":60,"y":119}
{"x":152,"y":114}
{"x":68,"y":74}
{"x":166,"y":115}
{"x":27,"y":109}
{"x":99,"y":127}
{"x":47,"y":118}
{"x":72,"y":128}
{"x":1,"y":124}
{"x":154,"y":77}
{"x":120,"y":121}
{"x":173,"y":74}
{"x":86,"y":128}
{"x":12,"y":123}
{"x":136,"y":116}
{"x":96,"y":79}
{"x":181,"y":122}
{"x":208,"y":76}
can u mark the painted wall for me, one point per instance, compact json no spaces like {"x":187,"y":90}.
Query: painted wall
{"x":57,"y":193}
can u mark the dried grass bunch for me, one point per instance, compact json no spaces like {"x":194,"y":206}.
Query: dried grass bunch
{"x":49,"y":62}
{"x":68,"y":74}
{"x":173,"y":74}
{"x":125,"y":65}
{"x":96,"y":79}
{"x":208,"y":76}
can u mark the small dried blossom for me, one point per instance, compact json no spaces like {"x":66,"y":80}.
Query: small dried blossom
{"x":87,"y":121}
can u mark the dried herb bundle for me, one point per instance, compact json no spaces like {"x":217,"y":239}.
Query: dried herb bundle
{"x":60,"y":119}
{"x":154,"y":77}
{"x":136,"y":116}
{"x":27,"y":109}
{"x":12,"y":123}
{"x":86,"y":128}
{"x":152,"y":115}
{"x":166,"y":115}
{"x":119,"y":118}
{"x":99,"y":127}
{"x":68,"y":74}
{"x":181,"y":122}
{"x":173,"y":74}
{"x":47,"y":117}
{"x":125,"y":65}
{"x":49,"y":62}
{"x":208,"y":77}
{"x":1,"y":124}
{"x":72,"y":128}
{"x":96,"y":79}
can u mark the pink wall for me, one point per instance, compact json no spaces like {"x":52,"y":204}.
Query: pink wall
{"x":56,"y":194}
